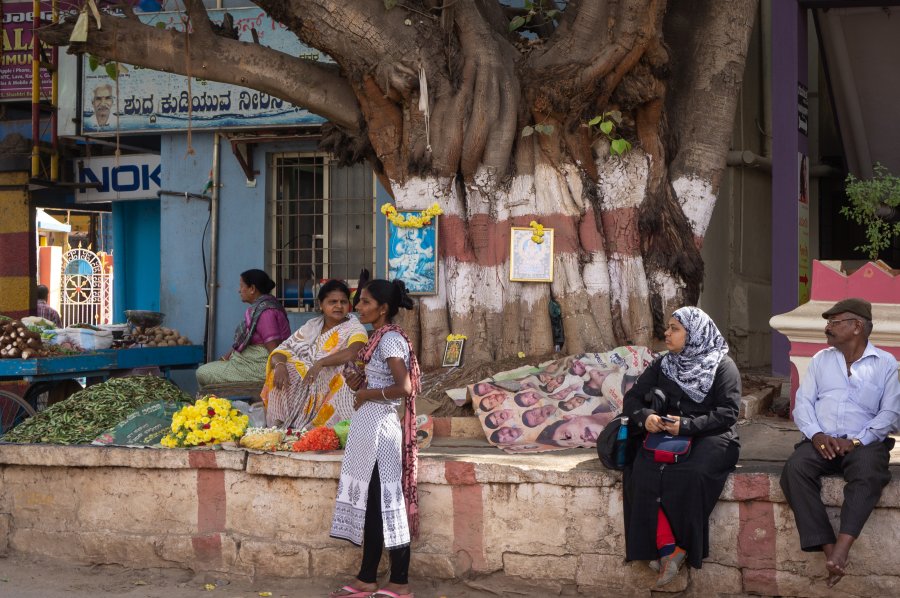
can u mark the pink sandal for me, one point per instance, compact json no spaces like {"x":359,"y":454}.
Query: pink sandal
{"x":390,"y":594}
{"x":351,"y":592}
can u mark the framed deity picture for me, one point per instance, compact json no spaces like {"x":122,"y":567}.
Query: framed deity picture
{"x":453,"y":353}
{"x":412,"y":257}
{"x":530,"y":261}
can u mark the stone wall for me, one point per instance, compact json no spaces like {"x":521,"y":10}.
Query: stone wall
{"x":555,"y":519}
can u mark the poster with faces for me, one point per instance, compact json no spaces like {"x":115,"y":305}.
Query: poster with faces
{"x":560,"y":404}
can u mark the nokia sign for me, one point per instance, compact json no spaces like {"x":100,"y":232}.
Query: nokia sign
{"x":137,"y":176}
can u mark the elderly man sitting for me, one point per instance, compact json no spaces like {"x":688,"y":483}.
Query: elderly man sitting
{"x":846,"y":406}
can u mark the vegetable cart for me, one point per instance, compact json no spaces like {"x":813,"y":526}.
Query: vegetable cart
{"x":44,"y":372}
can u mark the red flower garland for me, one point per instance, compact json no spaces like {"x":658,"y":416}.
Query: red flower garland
{"x":318,"y":439}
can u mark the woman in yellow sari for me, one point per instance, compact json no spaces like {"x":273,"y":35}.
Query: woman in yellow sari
{"x":304,"y":383}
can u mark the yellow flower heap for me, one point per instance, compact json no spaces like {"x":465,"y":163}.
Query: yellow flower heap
{"x":411,"y":220}
{"x":210,"y":420}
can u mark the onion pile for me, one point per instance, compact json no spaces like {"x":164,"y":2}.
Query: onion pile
{"x":159,"y":336}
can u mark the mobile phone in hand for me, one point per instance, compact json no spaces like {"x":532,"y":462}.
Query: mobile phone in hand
{"x":667,"y":419}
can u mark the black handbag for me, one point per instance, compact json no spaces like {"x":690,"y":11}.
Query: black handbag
{"x":610,"y":445}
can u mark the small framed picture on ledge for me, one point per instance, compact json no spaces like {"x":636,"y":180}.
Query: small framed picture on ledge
{"x":453,"y":353}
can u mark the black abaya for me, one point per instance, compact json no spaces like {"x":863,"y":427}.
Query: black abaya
{"x":686,"y":491}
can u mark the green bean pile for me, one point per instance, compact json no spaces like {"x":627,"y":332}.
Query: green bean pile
{"x":90,"y":412}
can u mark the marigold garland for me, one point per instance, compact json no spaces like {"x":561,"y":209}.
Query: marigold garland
{"x":318,"y":439}
{"x":210,"y":420}
{"x":456,"y":337}
{"x":537,"y":232}
{"x":411,"y":220}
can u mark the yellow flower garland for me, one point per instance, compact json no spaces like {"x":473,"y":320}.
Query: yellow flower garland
{"x":456,"y":337}
{"x":537,"y":232}
{"x":419,"y":220}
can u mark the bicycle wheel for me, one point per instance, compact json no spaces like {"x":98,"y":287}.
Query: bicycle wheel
{"x":13,"y":411}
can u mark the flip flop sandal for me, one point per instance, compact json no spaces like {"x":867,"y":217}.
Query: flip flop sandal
{"x":390,"y":594}
{"x":351,"y":592}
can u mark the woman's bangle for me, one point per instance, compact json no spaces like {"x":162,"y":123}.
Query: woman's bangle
{"x":384,"y":396}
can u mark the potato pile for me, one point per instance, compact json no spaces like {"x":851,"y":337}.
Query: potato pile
{"x":159,"y":336}
{"x":16,"y":340}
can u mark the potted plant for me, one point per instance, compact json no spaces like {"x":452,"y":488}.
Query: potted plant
{"x":875,"y":204}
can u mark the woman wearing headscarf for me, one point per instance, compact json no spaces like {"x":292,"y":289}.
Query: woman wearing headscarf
{"x":667,"y":505}
{"x":263,"y":327}
{"x":377,"y":496}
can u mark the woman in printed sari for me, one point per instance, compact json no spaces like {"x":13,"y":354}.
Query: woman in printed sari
{"x":263,"y":327}
{"x":304,"y":384}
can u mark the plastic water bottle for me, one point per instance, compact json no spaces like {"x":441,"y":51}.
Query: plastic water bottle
{"x":622,"y":443}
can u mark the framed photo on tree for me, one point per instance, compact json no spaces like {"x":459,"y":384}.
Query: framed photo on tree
{"x":453,"y":353}
{"x":530,"y":261}
{"x":412,"y":257}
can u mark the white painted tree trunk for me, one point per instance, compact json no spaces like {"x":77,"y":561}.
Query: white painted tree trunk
{"x":599,"y":276}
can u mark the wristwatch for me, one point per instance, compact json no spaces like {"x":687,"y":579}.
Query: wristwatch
{"x":856,"y":442}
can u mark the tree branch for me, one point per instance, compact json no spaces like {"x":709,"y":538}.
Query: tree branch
{"x":316,"y":87}
{"x":200,"y":23}
{"x":365,"y":39}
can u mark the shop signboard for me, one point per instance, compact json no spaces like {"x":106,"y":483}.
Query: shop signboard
{"x":143,"y":100}
{"x":15,"y":64}
{"x":135,"y":176}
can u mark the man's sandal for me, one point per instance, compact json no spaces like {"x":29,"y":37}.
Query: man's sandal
{"x":349,"y":592}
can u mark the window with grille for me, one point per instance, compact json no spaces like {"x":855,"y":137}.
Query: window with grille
{"x":322,"y":225}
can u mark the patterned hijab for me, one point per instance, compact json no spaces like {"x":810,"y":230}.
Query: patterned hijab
{"x":694,"y":368}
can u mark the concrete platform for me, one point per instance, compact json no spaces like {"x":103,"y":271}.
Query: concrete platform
{"x":553,"y":519}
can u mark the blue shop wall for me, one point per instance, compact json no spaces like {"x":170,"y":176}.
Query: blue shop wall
{"x":242,"y":235}
{"x":137,"y":256}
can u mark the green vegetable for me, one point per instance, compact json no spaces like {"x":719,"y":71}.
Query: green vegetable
{"x":89,"y":412}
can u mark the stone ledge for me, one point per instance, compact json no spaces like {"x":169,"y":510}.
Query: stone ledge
{"x":44,"y":455}
{"x":441,"y":466}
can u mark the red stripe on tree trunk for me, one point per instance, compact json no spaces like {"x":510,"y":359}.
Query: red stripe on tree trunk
{"x":211,"y":504}
{"x":620,"y":226}
{"x":486,"y":242}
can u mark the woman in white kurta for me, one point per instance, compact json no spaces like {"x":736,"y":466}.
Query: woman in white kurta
{"x":376,"y":504}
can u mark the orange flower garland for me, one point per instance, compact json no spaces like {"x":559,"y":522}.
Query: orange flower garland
{"x":318,"y":439}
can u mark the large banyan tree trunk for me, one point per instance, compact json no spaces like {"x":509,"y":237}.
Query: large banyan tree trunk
{"x":451,"y":106}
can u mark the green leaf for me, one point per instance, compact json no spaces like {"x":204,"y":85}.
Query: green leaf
{"x":93,"y":62}
{"x":112,"y":70}
{"x":618,"y":146}
{"x":551,"y":14}
{"x":595,"y":121}
{"x":389,"y":4}
{"x":528,"y":131}
{"x":606,"y":126}
{"x":160,"y":25}
{"x":516,"y":23}
{"x":544,"y":129}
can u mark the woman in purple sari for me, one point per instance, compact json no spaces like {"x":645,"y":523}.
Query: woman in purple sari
{"x":263,"y":327}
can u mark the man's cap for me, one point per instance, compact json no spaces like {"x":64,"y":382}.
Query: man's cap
{"x":853,"y":305}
